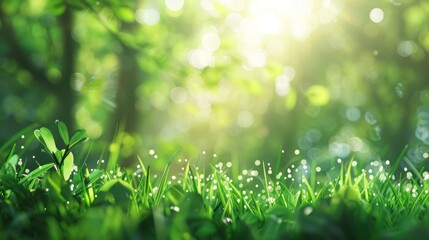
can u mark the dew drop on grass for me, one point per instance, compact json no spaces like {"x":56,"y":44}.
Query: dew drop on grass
{"x":339,"y":160}
{"x":318,"y":169}
{"x":297,"y":152}
{"x":425,"y":175}
{"x":409,"y":175}
{"x":175,"y":208}
{"x":387,"y":162}
{"x":257,"y":162}
{"x":425,"y":155}
{"x":308,"y":210}
{"x":354,"y":164}
{"x":382,"y":177}
{"x":22,"y":136}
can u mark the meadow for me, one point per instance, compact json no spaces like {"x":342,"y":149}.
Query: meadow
{"x":285,"y":199}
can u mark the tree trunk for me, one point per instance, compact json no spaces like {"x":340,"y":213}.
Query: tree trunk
{"x":66,"y":96}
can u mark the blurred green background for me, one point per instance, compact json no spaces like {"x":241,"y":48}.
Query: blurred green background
{"x":242,"y":79}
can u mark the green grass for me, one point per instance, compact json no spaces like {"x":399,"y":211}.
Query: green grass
{"x":66,"y":199}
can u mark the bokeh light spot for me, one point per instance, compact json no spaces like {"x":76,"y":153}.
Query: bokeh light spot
{"x":376,"y":15}
{"x":245,"y":119}
{"x":149,"y":16}
{"x":318,"y":95}
{"x":406,"y":48}
{"x":174,"y":5}
{"x":211,"y":41}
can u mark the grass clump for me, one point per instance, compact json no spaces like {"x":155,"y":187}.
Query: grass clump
{"x":66,"y":199}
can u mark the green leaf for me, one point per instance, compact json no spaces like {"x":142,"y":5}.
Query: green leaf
{"x":63,"y":131}
{"x":10,"y":164}
{"x":67,"y":166}
{"x":94,"y":176}
{"x":39,"y":137}
{"x":115,"y":191}
{"x":58,"y":156}
{"x":78,"y":137}
{"x":55,"y":183}
{"x":37,"y":172}
{"x":48,"y":139}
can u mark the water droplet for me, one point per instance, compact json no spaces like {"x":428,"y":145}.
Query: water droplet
{"x":308,"y":210}
{"x":409,"y":175}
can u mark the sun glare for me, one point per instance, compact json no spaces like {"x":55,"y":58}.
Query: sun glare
{"x":258,"y":24}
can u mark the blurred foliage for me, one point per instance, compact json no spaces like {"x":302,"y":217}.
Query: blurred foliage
{"x":239,"y":78}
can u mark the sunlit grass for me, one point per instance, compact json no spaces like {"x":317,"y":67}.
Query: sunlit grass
{"x":347,"y":200}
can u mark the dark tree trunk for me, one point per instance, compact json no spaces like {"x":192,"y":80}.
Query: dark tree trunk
{"x":65,"y":94}
{"x":62,"y":90}
{"x":128,"y":81}
{"x":129,"y":78}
